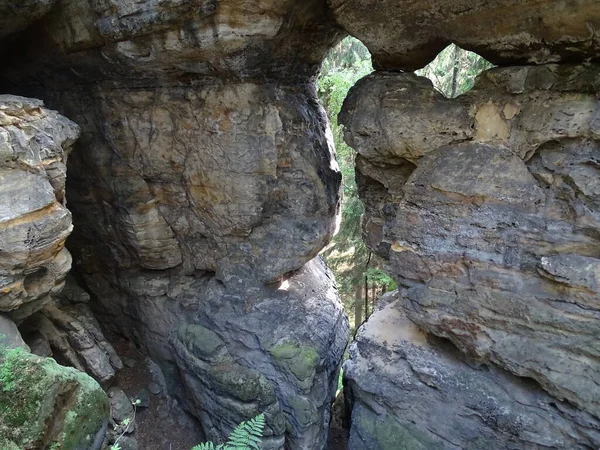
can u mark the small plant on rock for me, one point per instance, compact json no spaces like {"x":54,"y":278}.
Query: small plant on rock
{"x":124,"y":425}
{"x":246,"y":436}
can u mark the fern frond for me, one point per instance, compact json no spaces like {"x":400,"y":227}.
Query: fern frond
{"x":204,"y":446}
{"x":247,"y":435}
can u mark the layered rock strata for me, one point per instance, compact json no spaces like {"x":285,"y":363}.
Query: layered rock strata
{"x":202,"y":189}
{"x":407,"y":35}
{"x":34,"y":222}
{"x":438,"y":398}
{"x":487,"y":212}
{"x":485,"y":209}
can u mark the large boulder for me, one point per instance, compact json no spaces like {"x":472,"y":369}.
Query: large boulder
{"x":45,"y":405}
{"x":229,"y":354}
{"x":34,"y":222}
{"x":407,"y":35}
{"x":204,"y":178}
{"x":486,"y":208}
{"x":415,"y":391}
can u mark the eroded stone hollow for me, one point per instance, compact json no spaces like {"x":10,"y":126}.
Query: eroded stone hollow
{"x":203,"y":185}
{"x":202,"y":188}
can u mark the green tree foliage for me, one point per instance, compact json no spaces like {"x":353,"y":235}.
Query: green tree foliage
{"x":347,"y":255}
{"x":246,"y":436}
{"x":454,"y":70}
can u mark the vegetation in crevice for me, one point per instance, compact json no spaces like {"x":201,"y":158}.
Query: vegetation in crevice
{"x":454,"y":70}
{"x":359,"y":274}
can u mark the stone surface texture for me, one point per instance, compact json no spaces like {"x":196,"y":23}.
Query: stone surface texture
{"x":75,"y":339}
{"x":16,"y":15}
{"x":45,"y":405}
{"x":202,"y":188}
{"x":34,"y":222}
{"x":407,"y":35}
{"x":10,"y":337}
{"x":486,"y":209}
{"x":437,"y":398}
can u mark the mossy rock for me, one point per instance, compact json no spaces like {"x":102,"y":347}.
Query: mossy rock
{"x":45,"y":405}
{"x":202,"y":342}
{"x":301,"y":361}
{"x":385,"y":433}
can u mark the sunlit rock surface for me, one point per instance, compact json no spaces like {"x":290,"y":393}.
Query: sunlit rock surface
{"x":486,"y":209}
{"x":34,"y":222}
{"x":412,"y":390}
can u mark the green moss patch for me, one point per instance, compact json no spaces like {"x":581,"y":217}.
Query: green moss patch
{"x":45,"y":404}
{"x":301,"y":361}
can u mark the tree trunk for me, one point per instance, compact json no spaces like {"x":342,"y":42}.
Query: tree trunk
{"x":455,"y":71}
{"x":373,"y":296}
{"x":358,"y":306}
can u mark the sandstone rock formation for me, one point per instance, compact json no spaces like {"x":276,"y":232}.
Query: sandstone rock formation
{"x":74,"y":338}
{"x":490,"y":217}
{"x":202,"y":188}
{"x":45,"y":405}
{"x":204,"y":185}
{"x":34,"y":222}
{"x":407,"y":35}
{"x":437,"y":398}
{"x":10,"y":337}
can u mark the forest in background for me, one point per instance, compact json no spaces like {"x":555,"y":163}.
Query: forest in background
{"x":360,"y":275}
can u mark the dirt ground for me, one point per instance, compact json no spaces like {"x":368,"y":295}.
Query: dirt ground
{"x":164,"y":425}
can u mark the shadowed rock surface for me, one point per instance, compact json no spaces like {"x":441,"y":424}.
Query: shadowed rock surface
{"x":407,"y":35}
{"x":412,"y":390}
{"x":72,"y":336}
{"x":16,"y":15}
{"x":10,"y":337}
{"x":203,"y":181}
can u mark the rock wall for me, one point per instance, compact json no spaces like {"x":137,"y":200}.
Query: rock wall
{"x":204,"y":185}
{"x":485,"y":208}
{"x":202,"y":188}
{"x":42,"y":404}
{"x":412,"y":390}
{"x":34,"y":222}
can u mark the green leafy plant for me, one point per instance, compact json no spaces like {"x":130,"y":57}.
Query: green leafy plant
{"x":246,"y":436}
{"x":124,"y":425}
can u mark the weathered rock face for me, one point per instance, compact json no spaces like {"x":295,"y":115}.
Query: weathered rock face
{"x":183,"y":39}
{"x":72,"y":336}
{"x":230,"y":354}
{"x":437,"y":398}
{"x":207,"y":178}
{"x":45,"y":405}
{"x":10,"y":337}
{"x":17,"y":15}
{"x":407,"y":34}
{"x":202,"y":189}
{"x":34,"y":222}
{"x":495,"y":232}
